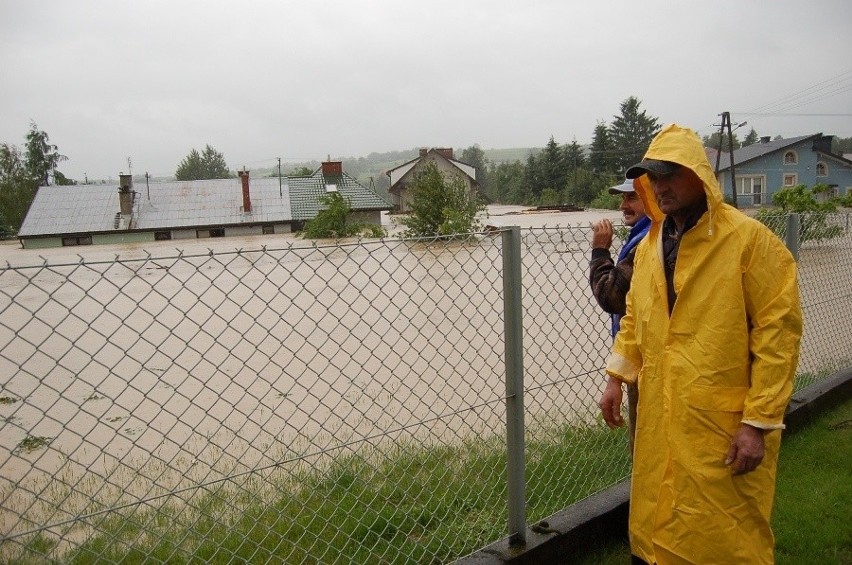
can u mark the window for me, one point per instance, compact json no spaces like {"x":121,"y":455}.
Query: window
{"x":791,"y":179}
{"x":791,"y":158}
{"x":268,"y":230}
{"x":821,"y":169}
{"x":751,"y":189}
{"x":331,"y":187}
{"x":77,"y":240}
{"x":213,"y":232}
{"x":162,"y":235}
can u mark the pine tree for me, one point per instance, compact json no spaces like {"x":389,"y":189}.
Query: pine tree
{"x":210,"y":164}
{"x":630,"y":134}
{"x":601,"y":154}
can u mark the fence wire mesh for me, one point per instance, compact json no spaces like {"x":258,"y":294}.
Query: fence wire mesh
{"x":340,"y":403}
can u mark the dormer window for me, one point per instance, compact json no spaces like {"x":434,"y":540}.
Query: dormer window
{"x":791,"y":158}
{"x":821,"y":169}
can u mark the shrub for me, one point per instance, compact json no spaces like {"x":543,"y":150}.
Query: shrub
{"x":440,"y":206}
{"x":332,"y":222}
{"x":801,"y":200}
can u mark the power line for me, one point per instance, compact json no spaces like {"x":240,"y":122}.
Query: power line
{"x":780,"y":114}
{"x":838,"y":84}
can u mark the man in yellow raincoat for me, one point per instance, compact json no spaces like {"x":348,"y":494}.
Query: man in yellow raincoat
{"x":712,"y":335}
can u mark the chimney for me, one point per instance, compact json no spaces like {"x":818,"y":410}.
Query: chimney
{"x":332,"y":168}
{"x":765,"y":139}
{"x":446,"y":152}
{"x":125,"y":194}
{"x":423,"y":152}
{"x":244,"y":179}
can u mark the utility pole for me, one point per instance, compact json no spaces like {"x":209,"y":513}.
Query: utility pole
{"x":726,"y":122}
{"x":280,"y":191}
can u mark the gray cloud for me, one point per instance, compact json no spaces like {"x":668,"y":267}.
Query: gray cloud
{"x":302,"y":80}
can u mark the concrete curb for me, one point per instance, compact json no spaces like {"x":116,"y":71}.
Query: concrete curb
{"x":571,"y":533}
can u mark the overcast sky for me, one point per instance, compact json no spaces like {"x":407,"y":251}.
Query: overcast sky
{"x":258,"y":80}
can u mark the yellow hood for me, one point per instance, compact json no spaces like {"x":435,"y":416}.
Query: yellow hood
{"x":682,"y":146}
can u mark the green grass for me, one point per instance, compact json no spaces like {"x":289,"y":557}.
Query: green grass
{"x":414,"y":504}
{"x":431,"y":504}
{"x":813,"y":499}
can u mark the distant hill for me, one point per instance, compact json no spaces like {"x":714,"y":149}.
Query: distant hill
{"x":510,"y":155}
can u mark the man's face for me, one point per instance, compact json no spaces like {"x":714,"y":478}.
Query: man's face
{"x":678,"y":192}
{"x":632,"y":208}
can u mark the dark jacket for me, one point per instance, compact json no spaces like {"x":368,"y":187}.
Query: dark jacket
{"x":610,"y":281}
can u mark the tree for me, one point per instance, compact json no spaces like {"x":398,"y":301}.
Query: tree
{"x":42,"y":157}
{"x":190,"y":168}
{"x":210,"y":164}
{"x":213,"y":163}
{"x":533,"y":178}
{"x":475,"y":156}
{"x":553,"y":165}
{"x":333,"y":221}
{"x":302,"y":172}
{"x":601,"y":155}
{"x":587,"y":186}
{"x":441,"y":206}
{"x":507,"y":183}
{"x":575,"y":156}
{"x":16,"y":188}
{"x":751,"y":138}
{"x":713,"y":140}
{"x":630,"y":134}
{"x":841,"y":145}
{"x":22,"y":174}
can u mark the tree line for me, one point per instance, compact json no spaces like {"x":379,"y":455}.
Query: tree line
{"x":572,"y":174}
{"x":557,"y":174}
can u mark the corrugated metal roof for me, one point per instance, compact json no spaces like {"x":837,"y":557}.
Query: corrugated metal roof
{"x":93,"y":208}
{"x":306,"y":192}
{"x":71,"y":209}
{"x":182,"y":204}
{"x":210,"y":202}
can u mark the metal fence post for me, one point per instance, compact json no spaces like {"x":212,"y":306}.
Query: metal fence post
{"x":514,"y":384}
{"x":792,"y":236}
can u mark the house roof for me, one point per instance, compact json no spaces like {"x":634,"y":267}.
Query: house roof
{"x":95,"y":208}
{"x":210,"y":202}
{"x":398,"y":173}
{"x":306,"y":194}
{"x":755,"y":150}
{"x":71,"y":209}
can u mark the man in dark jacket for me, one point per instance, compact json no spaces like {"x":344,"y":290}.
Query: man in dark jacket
{"x":610,"y":281}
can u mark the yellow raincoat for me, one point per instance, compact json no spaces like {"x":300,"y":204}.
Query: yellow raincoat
{"x":726,"y":356}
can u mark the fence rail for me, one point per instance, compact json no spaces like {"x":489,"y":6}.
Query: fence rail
{"x":320,"y":403}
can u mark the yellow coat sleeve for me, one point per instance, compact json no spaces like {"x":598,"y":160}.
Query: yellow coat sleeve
{"x":775,"y":316}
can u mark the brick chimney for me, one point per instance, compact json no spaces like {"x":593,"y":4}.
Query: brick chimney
{"x":244,"y":179}
{"x":332,"y":168}
{"x":446,"y":152}
{"x":423,"y":152}
{"x":125,"y":194}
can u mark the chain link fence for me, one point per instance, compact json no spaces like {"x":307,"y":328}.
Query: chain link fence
{"x":340,"y":403}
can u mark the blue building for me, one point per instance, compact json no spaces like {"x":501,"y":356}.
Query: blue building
{"x":764,"y":168}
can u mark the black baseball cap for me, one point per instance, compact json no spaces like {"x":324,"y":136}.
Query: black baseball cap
{"x":655,"y":166}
